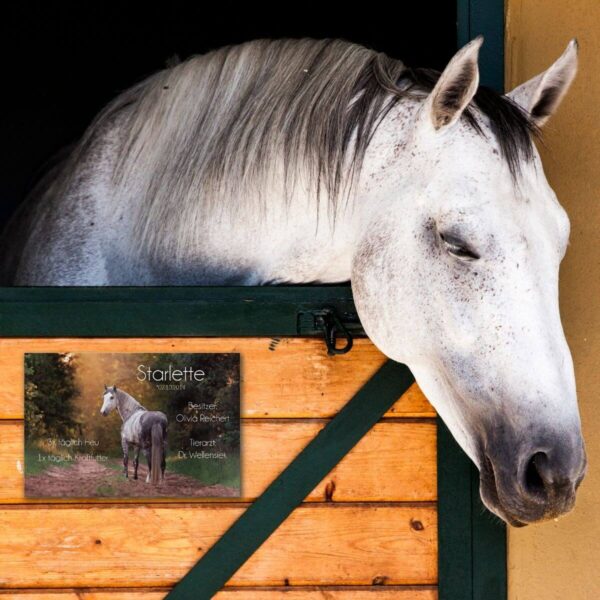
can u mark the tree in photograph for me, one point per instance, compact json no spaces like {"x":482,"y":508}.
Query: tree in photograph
{"x":50,"y":391}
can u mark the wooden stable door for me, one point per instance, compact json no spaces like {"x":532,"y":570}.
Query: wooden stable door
{"x":369,"y":527}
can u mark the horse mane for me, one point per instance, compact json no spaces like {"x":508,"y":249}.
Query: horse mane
{"x":131,"y":401}
{"x":219,"y":128}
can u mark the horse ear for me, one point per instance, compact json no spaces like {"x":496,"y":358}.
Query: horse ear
{"x":542,"y":95}
{"x":115,"y":388}
{"x":105,"y":388}
{"x":456,"y":86}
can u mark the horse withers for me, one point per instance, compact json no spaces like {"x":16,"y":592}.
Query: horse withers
{"x":143,"y":429}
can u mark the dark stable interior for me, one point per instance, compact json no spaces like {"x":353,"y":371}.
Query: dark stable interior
{"x":63,"y":61}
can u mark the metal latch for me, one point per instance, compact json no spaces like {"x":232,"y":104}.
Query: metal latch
{"x":326,"y":321}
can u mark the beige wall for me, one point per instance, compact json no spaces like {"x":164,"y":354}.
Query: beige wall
{"x":561,"y":560}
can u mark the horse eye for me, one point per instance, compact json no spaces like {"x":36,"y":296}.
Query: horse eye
{"x":458,"y":248}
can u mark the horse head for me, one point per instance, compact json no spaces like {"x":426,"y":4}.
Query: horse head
{"x":109,"y":400}
{"x":457,"y":276}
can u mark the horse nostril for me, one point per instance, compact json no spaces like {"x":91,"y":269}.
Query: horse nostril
{"x":536,"y":475}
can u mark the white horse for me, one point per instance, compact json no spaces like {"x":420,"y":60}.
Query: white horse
{"x":143,"y":429}
{"x":299,"y":161}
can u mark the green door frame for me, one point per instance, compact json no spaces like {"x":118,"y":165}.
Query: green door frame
{"x":472,"y":543}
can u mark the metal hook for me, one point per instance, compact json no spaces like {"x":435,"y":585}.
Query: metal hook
{"x":331,"y":325}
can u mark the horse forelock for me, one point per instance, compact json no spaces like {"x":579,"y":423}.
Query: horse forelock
{"x":218,"y":129}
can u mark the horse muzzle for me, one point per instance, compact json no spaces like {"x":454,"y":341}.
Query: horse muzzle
{"x":538,"y":483}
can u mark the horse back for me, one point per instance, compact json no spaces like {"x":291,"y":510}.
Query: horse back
{"x":59,"y":233}
{"x":17,"y":231}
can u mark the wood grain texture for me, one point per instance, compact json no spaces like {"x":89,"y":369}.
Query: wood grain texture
{"x":125,"y":546}
{"x":355,"y":536}
{"x":377,"y":592}
{"x":292,"y":377}
{"x":395,"y":461}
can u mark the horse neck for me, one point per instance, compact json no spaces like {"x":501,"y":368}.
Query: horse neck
{"x":298,"y":241}
{"x":127,"y":405}
{"x":378,"y":189}
{"x":330,"y":237}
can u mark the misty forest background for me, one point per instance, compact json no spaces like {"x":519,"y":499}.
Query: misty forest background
{"x":63,"y":397}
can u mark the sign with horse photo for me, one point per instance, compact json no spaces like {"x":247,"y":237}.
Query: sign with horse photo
{"x":181,"y":411}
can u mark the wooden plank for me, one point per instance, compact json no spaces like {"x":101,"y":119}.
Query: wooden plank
{"x":286,"y":378}
{"x":395,"y":461}
{"x":377,"y":592}
{"x":156,"y":545}
{"x":286,"y":493}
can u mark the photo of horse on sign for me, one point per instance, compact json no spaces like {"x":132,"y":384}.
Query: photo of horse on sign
{"x":143,"y":429}
{"x":181,"y":411}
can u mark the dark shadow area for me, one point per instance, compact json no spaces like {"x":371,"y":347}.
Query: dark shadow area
{"x":63,"y":61}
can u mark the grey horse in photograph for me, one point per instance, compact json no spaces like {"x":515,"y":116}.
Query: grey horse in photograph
{"x":143,"y":429}
{"x":322,"y":161}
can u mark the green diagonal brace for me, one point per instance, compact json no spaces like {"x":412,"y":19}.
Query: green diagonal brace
{"x":305,"y":472}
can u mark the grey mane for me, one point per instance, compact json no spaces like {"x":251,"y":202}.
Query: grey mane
{"x":126,"y":403}
{"x":215,"y":130}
